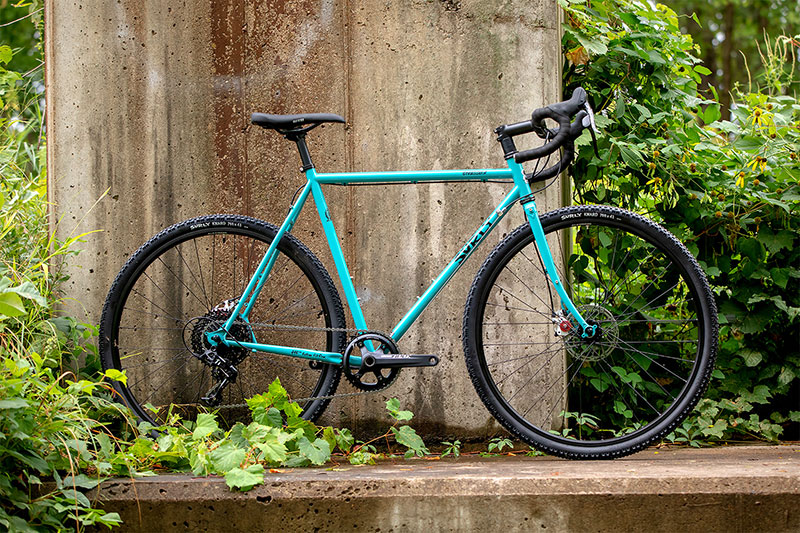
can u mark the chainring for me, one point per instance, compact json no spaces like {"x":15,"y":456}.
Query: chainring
{"x":369,"y":379}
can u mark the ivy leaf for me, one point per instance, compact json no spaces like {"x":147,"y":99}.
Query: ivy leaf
{"x":274,"y":451}
{"x":206,"y":425}
{"x":592,"y":46}
{"x":245,"y":479}
{"x":751,"y":357}
{"x":775,"y":242}
{"x":717,"y":430}
{"x":393,"y":406}
{"x":116,"y":375}
{"x":318,"y":452}
{"x":344,"y":439}
{"x":751,"y":248}
{"x":268,"y":417}
{"x":780,"y":276}
{"x":226,"y":457}
{"x":786,"y":376}
{"x":406,"y":436}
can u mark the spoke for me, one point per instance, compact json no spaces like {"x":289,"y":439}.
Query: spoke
{"x":152,"y":328}
{"x":159,"y":367}
{"x":525,"y":285}
{"x":559,"y":378}
{"x":643,"y":291}
{"x":181,"y":281}
{"x":150,"y":313}
{"x":555,"y":352}
{"x":516,"y":343}
{"x":180,"y":312}
{"x":504,"y":306}
{"x":296,"y":302}
{"x":566,"y":388}
{"x":555,"y":347}
{"x":164,"y":382}
{"x":178,"y":357}
{"x":178,"y":250}
{"x":548,"y":323}
{"x":654,"y":380}
{"x":614,"y":345}
{"x":654,"y":361}
{"x":636,"y":392}
{"x":200,"y":268}
{"x":611,"y":290}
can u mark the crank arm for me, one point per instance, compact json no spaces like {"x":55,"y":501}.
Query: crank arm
{"x":398,"y":360}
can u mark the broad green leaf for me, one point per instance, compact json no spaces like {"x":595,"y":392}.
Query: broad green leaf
{"x":273,"y":450}
{"x":227,"y":457}
{"x":206,"y":425}
{"x":406,"y":436}
{"x":29,"y":291}
{"x":700,"y":69}
{"x":780,"y":276}
{"x":318,"y":452}
{"x":786,"y":376}
{"x":344,"y":439}
{"x":14,"y":403}
{"x":256,"y":432}
{"x":11,"y":305}
{"x":751,"y":248}
{"x":268,"y":417}
{"x":245,"y":479}
{"x":5,"y":54}
{"x":116,"y":375}
{"x":775,"y":242}
{"x":751,"y":357}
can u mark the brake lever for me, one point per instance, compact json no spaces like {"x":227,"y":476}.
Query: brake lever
{"x":588,"y":122}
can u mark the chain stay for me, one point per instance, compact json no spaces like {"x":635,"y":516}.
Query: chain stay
{"x":353,"y":331}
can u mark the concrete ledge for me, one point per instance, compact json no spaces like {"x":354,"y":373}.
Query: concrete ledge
{"x":722,"y":489}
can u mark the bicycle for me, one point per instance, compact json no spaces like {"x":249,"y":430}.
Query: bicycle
{"x":611,"y":354}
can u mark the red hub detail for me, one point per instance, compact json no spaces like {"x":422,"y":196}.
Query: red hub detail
{"x":565,"y":326}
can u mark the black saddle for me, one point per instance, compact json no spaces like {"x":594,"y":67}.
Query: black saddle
{"x":292,"y":122}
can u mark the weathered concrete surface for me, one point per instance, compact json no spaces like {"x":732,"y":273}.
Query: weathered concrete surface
{"x":150,"y":99}
{"x":727,"y":490}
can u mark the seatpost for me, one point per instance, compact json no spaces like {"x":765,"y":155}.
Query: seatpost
{"x":302,"y":147}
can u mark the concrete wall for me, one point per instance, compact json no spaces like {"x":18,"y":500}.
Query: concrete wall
{"x":150,"y":99}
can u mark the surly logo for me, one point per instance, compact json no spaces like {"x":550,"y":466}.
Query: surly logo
{"x":472,"y":244}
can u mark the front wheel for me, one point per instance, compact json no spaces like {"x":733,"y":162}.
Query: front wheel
{"x":619,"y":391}
{"x":182,"y":284}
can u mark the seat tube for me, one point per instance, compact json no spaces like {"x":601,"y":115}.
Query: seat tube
{"x":336,"y":252}
{"x":532,"y":215}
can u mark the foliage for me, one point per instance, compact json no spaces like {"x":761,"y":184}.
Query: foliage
{"x":276,"y":437}
{"x":730,"y":38}
{"x":727,"y":188}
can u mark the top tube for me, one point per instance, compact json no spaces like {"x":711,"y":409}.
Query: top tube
{"x":413,"y":176}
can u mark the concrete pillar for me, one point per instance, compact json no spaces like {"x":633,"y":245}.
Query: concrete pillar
{"x":150,"y":101}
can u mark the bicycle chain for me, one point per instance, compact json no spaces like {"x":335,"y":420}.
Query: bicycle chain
{"x":354,"y":331}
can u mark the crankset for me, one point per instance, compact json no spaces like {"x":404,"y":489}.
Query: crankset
{"x":380,"y":361}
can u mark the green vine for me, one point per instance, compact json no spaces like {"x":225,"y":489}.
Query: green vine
{"x":727,"y":186}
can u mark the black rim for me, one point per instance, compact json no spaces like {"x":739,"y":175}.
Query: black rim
{"x":198,"y":288}
{"x":581,"y":358}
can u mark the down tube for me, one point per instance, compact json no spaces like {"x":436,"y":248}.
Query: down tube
{"x":452,"y":267}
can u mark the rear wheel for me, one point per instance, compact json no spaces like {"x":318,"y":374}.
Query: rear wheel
{"x":182,"y":284}
{"x":619,"y":391}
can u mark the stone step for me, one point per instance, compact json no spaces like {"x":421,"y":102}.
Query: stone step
{"x":726,"y":489}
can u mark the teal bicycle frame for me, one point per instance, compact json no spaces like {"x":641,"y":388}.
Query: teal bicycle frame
{"x":521,"y":191}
